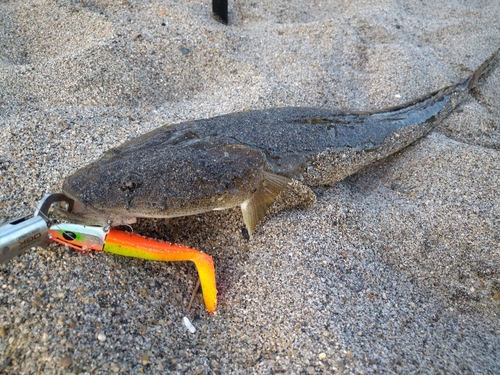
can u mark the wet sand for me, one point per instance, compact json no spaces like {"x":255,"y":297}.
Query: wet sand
{"x":394,"y":270}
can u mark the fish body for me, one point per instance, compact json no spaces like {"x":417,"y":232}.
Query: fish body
{"x":247,"y":158}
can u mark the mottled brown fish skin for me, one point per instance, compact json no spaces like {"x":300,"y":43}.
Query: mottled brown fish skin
{"x":246,"y":158}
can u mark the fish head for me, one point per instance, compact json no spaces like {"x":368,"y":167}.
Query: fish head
{"x":83,"y":188}
{"x":164,"y":182}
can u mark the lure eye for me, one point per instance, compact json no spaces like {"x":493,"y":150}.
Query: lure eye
{"x":131,"y":182}
{"x":69,"y":236}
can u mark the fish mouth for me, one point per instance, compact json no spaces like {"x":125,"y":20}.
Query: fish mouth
{"x":86,"y":214}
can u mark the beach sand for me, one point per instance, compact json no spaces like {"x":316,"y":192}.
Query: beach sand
{"x":394,"y":270}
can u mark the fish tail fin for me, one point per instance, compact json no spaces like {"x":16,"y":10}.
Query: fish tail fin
{"x":483,"y":70}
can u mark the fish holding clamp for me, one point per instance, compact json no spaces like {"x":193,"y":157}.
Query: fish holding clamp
{"x":29,"y":231}
{"x":37,"y":230}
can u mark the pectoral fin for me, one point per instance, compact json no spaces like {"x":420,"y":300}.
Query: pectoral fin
{"x":255,"y":208}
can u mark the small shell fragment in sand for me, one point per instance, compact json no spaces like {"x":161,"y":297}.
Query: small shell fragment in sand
{"x":188,"y":324}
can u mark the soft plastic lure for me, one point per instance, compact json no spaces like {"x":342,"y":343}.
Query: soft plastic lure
{"x":88,"y":238}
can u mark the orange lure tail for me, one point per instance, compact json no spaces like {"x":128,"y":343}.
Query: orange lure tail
{"x":127,"y":244}
{"x":133,"y":245}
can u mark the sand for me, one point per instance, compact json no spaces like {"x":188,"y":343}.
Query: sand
{"x":394,"y":270}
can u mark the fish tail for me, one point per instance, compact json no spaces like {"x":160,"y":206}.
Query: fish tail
{"x":483,"y":70}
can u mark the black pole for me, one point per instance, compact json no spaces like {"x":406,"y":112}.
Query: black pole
{"x":219,"y":7}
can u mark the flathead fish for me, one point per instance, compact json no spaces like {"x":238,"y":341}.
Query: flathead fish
{"x":247,"y":158}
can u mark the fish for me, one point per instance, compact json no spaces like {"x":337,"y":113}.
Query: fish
{"x":248,"y":158}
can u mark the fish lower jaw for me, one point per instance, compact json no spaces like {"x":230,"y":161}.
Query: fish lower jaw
{"x":91,"y":217}
{"x":122,"y":220}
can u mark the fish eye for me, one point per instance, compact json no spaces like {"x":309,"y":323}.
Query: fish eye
{"x":131,"y":182}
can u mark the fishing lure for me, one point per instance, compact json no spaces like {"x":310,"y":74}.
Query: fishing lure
{"x":89,"y":238}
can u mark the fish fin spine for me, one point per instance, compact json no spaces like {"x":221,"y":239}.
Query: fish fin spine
{"x":255,"y":208}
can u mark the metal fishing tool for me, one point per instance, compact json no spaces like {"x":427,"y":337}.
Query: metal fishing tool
{"x":29,"y":231}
